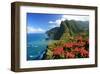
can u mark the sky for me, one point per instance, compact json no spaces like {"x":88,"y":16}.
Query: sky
{"x":40,"y":23}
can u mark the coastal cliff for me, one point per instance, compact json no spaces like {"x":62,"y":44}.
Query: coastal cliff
{"x":67,"y":27}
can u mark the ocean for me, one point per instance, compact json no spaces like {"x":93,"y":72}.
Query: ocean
{"x":36,"y":46}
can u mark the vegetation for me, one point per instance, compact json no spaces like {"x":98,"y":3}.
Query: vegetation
{"x":70,"y":40}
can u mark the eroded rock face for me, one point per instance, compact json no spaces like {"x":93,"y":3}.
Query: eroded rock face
{"x":70,"y":27}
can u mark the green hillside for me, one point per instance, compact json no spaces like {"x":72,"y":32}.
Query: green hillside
{"x":70,"y":27}
{"x":70,"y":40}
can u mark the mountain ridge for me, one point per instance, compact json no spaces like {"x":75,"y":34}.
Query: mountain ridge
{"x":69,"y":27}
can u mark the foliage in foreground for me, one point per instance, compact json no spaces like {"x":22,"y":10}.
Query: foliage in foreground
{"x":68,"y":47}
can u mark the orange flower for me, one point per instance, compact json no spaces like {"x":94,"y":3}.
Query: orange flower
{"x":77,"y":49}
{"x":84,"y":52}
{"x":68,"y":45}
{"x":69,"y":55}
{"x":58,"y":51}
{"x":79,"y":44}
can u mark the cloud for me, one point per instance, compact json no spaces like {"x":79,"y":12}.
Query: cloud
{"x":51,"y":22}
{"x":75,"y":17}
{"x":57,"y":22}
{"x":34,"y":30}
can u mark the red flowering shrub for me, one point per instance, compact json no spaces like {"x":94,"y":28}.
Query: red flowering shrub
{"x":77,"y":48}
{"x":69,"y":55}
{"x":58,"y":51}
{"x":83,"y":52}
{"x":79,"y":44}
{"x":68,"y":45}
{"x":79,"y":38}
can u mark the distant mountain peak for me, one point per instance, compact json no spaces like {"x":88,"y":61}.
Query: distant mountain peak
{"x":70,"y":27}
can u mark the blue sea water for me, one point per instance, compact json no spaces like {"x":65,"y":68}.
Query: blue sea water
{"x":36,"y":46}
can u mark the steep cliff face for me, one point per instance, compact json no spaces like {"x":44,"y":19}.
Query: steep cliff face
{"x":52,"y":33}
{"x":67,"y":27}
